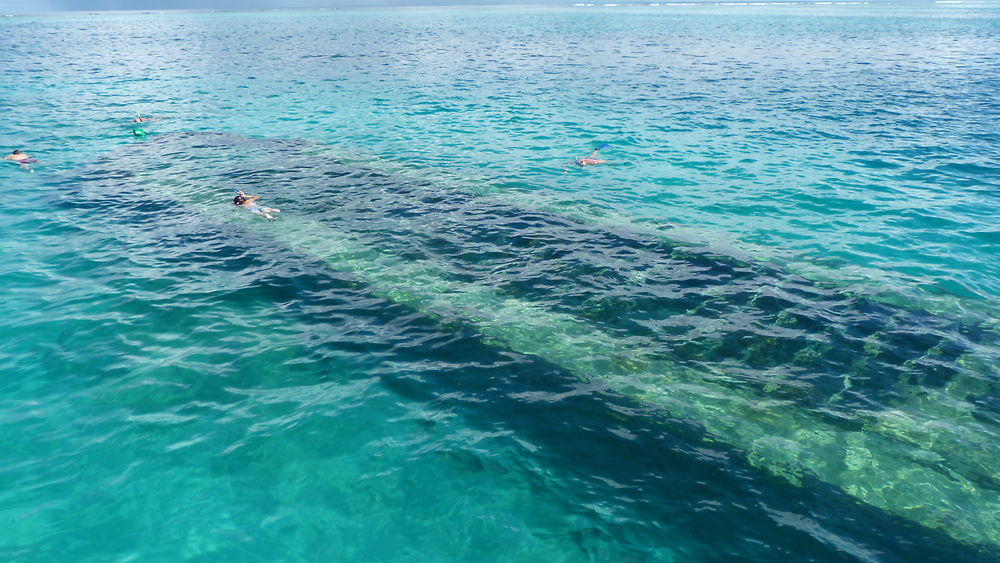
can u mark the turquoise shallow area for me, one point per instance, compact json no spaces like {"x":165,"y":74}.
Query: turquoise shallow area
{"x":767,"y":329}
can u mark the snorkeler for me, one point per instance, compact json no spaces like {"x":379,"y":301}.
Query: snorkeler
{"x":589,"y":160}
{"x":249,"y":202}
{"x":141,"y":119}
{"x":21,"y":158}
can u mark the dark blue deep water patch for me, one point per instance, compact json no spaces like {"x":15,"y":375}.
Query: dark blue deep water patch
{"x":766,"y":330}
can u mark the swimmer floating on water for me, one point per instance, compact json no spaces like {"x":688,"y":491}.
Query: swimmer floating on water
{"x":20,"y":158}
{"x":589,"y":160}
{"x":249,"y":202}
{"x":141,"y":119}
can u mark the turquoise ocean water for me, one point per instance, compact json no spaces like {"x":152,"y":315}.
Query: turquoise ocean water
{"x":767,"y":328}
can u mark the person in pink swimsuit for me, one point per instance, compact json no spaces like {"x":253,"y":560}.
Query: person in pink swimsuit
{"x":20,"y":158}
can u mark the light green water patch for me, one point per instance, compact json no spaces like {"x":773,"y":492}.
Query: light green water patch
{"x":339,"y":468}
{"x":901,"y":477}
{"x":887,"y":287}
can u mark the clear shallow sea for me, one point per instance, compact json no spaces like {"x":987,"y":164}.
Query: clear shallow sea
{"x":768,"y":329}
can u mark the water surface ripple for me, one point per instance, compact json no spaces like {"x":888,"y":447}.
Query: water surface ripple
{"x":769,"y":330}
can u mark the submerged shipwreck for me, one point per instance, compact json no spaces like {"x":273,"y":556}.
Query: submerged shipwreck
{"x":894,"y":405}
